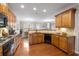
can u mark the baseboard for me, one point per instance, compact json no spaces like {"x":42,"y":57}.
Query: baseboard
{"x":76,"y":53}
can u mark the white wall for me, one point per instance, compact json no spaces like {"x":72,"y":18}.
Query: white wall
{"x":17,"y":25}
{"x":77,"y":30}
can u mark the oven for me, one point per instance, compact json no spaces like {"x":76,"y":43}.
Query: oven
{"x":7,"y":48}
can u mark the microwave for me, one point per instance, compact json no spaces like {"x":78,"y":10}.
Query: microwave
{"x":3,"y":20}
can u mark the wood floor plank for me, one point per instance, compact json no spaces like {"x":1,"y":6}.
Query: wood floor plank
{"x":45,"y":50}
{"x":38,"y":50}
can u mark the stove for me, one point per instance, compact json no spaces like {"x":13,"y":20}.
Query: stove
{"x":2,"y":39}
{"x":7,"y":46}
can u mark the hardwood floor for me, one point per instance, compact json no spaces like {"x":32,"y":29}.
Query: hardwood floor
{"x":38,"y":50}
{"x":45,"y":50}
{"x":22,"y":50}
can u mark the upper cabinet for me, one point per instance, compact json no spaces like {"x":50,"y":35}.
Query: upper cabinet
{"x":7,"y":12}
{"x":58,"y":21}
{"x":66,"y":19}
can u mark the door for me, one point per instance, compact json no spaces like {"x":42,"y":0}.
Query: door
{"x":1,"y":53}
{"x":66,"y":19}
{"x":58,"y":21}
{"x":55,"y":40}
{"x":63,"y":44}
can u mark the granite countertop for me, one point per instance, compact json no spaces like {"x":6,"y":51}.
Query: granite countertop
{"x":51,"y":32}
{"x":44,"y":31}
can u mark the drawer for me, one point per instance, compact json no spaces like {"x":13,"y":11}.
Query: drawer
{"x":0,"y":49}
{"x":0,"y":54}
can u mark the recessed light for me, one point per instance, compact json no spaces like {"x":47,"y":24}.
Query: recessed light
{"x":22,"y":6}
{"x":44,"y":10}
{"x":34,"y":8}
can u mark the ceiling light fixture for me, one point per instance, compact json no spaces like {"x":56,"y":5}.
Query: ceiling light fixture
{"x":44,"y":10}
{"x":22,"y":6}
{"x":34,"y":8}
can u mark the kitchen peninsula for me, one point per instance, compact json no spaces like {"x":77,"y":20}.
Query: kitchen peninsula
{"x":64,"y":42}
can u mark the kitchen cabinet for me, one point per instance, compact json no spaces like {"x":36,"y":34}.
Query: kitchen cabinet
{"x":63,"y":43}
{"x":36,"y":38}
{"x":11,"y":19}
{"x":7,"y":12}
{"x":17,"y":41}
{"x":58,"y":21}
{"x":66,"y":19}
{"x":1,"y":8}
{"x":66,"y":44}
{"x":55,"y":40}
{"x":1,"y":51}
{"x":30,"y":39}
{"x":40,"y":38}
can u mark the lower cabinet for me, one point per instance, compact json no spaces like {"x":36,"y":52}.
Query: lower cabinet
{"x":63,"y":44}
{"x":55,"y":40}
{"x":17,"y":40}
{"x":1,"y":51}
{"x":36,"y":38}
{"x":66,"y":44}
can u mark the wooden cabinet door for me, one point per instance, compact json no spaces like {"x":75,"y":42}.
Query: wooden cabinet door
{"x":55,"y":40}
{"x":58,"y":21}
{"x":1,"y":8}
{"x":33,"y":38}
{"x":36,"y":38}
{"x":66,"y":21}
{"x":63,"y":44}
{"x":30,"y":39}
{"x":40,"y":38}
{"x":1,"y":51}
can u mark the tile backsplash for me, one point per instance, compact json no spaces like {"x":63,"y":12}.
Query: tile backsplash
{"x":5,"y":29}
{"x":69,"y":31}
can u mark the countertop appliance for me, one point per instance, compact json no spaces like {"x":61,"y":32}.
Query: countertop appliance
{"x":3,"y":20}
{"x":11,"y":30}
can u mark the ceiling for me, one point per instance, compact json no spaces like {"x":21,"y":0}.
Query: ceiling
{"x":27,"y":13}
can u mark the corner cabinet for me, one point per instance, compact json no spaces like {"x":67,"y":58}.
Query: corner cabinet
{"x":65,"y":43}
{"x":66,"y":19}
